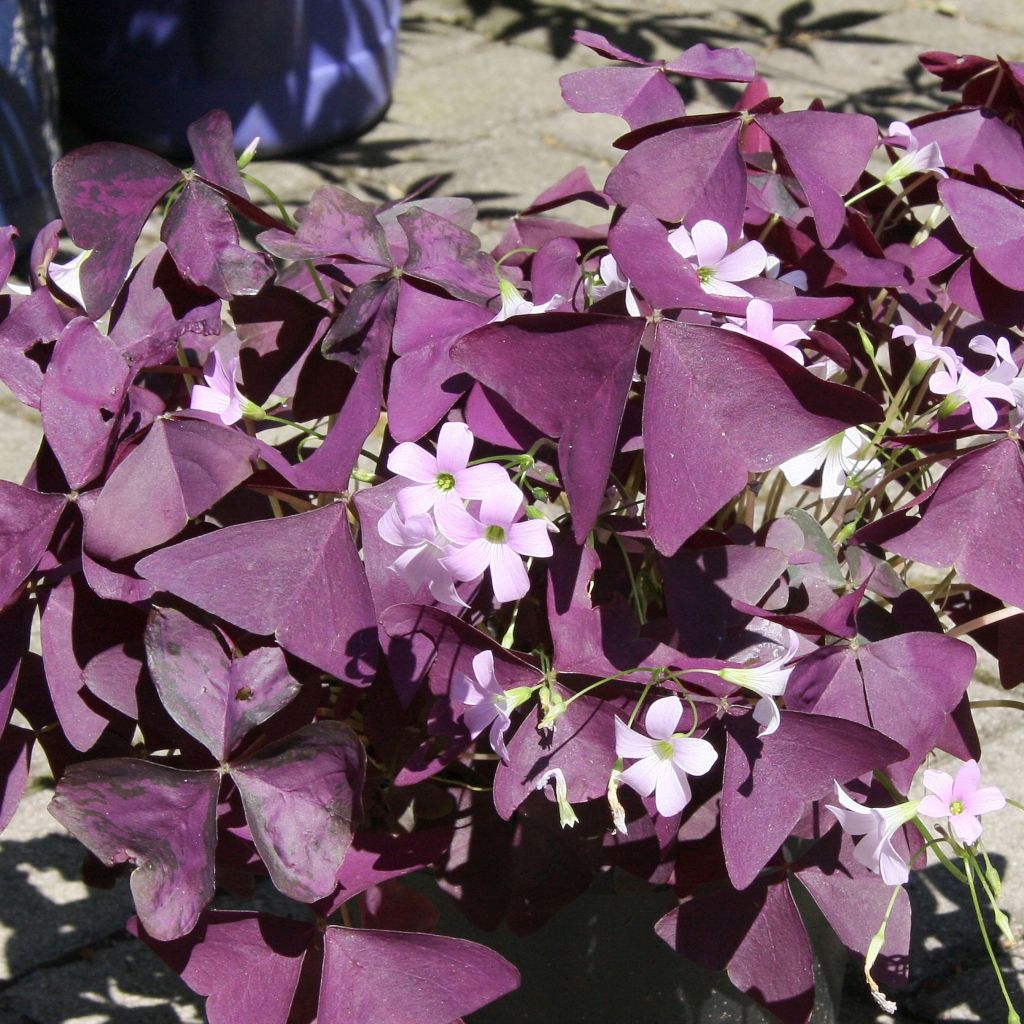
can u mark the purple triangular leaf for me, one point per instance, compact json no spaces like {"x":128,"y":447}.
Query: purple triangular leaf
{"x":727,"y":64}
{"x":82,"y":399}
{"x":27,"y":522}
{"x":640,"y":96}
{"x":212,"y":142}
{"x":156,"y":308}
{"x":301,"y":798}
{"x":335,"y":223}
{"x":202,"y":238}
{"x":756,"y":936}
{"x":181,"y":469}
{"x":827,"y":152}
{"x":248,"y":965}
{"x":313,"y":592}
{"x":691,"y":172}
{"x":105,"y":193}
{"x":215,"y":698}
{"x":78,"y":712}
{"x":569,"y":375}
{"x":967,"y":138}
{"x":34,"y":321}
{"x":162,"y":819}
{"x":992,"y":224}
{"x":15,"y":757}
{"x":446,"y":255}
{"x":720,"y":406}
{"x":876,"y":684}
{"x":407,"y":978}
{"x":971,"y":521}
{"x":769,"y":782}
{"x":582,"y":747}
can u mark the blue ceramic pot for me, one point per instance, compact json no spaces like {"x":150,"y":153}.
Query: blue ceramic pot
{"x":296,"y":73}
{"x":28,"y":107}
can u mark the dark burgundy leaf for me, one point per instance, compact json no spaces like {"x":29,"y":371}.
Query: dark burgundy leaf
{"x":248,"y":965}
{"x":720,"y":406}
{"x":161,"y":819}
{"x":992,"y":224}
{"x":639,"y":95}
{"x":392,"y":905}
{"x":105,"y":193}
{"x":313,"y":592}
{"x":15,"y":757}
{"x":212,"y":142}
{"x":971,"y":521}
{"x":302,"y":796}
{"x":215,"y":698}
{"x":692,"y":172}
{"x":34,"y":321}
{"x":27,"y":522}
{"x":447,"y":255}
{"x":156,"y":308}
{"x":876,"y":684}
{"x":569,"y":375}
{"x":202,"y":238}
{"x":82,"y":399}
{"x":334,"y":224}
{"x":80,"y":715}
{"x":181,"y":469}
{"x":575,"y":186}
{"x":854,"y":901}
{"x":827,"y":153}
{"x":769,"y":782}
{"x":582,"y":747}
{"x":756,"y":936}
{"x":407,"y":978}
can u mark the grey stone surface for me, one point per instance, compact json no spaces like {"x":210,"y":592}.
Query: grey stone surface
{"x":477,"y":105}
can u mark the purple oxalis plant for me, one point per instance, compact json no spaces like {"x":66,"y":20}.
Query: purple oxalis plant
{"x":368,"y":552}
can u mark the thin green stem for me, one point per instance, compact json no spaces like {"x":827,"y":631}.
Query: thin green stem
{"x":968,"y":868}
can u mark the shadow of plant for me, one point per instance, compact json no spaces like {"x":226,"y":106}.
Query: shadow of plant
{"x":949,"y":968}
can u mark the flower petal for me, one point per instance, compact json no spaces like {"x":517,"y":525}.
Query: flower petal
{"x":663,"y":717}
{"x":416,"y":500}
{"x":469,"y":562}
{"x":454,"y":446}
{"x":501,"y":506}
{"x":672,"y":793}
{"x":530,"y":538}
{"x":456,"y":523}
{"x":412,"y":462}
{"x":746,"y":262}
{"x":966,"y":828}
{"x":985,"y":799}
{"x":643,"y":776}
{"x":474,"y":483}
{"x":509,"y":577}
{"x":767,"y":715}
{"x":630,"y":743}
{"x":693,"y":756}
{"x":710,"y":242}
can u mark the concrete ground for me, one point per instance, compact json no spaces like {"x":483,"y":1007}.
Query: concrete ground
{"x":477,"y":104}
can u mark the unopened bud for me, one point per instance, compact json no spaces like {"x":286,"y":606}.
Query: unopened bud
{"x":566,"y":815}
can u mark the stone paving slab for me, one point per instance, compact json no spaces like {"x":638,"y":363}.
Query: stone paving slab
{"x":478,"y":105}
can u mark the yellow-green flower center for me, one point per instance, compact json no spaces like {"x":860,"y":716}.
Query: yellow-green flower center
{"x":664,"y":749}
{"x":956,"y":807}
{"x":445,"y":482}
{"x":705,"y":274}
{"x":495,"y":534}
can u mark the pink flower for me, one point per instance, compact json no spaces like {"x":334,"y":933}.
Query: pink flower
{"x":916,"y":159}
{"x":220,"y":394}
{"x":925,"y":350}
{"x":664,"y":759}
{"x":447,"y":476}
{"x":961,"y":799}
{"x":706,"y":246}
{"x":514,"y":304}
{"x":965,"y":387}
{"x":836,"y":457}
{"x":768,"y":681}
{"x":760,"y":325}
{"x":419,"y":565}
{"x":496,"y":541}
{"x":877,"y":825}
{"x":487,"y":704}
{"x":612,"y":282}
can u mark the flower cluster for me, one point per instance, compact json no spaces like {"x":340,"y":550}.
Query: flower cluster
{"x":457,"y":521}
